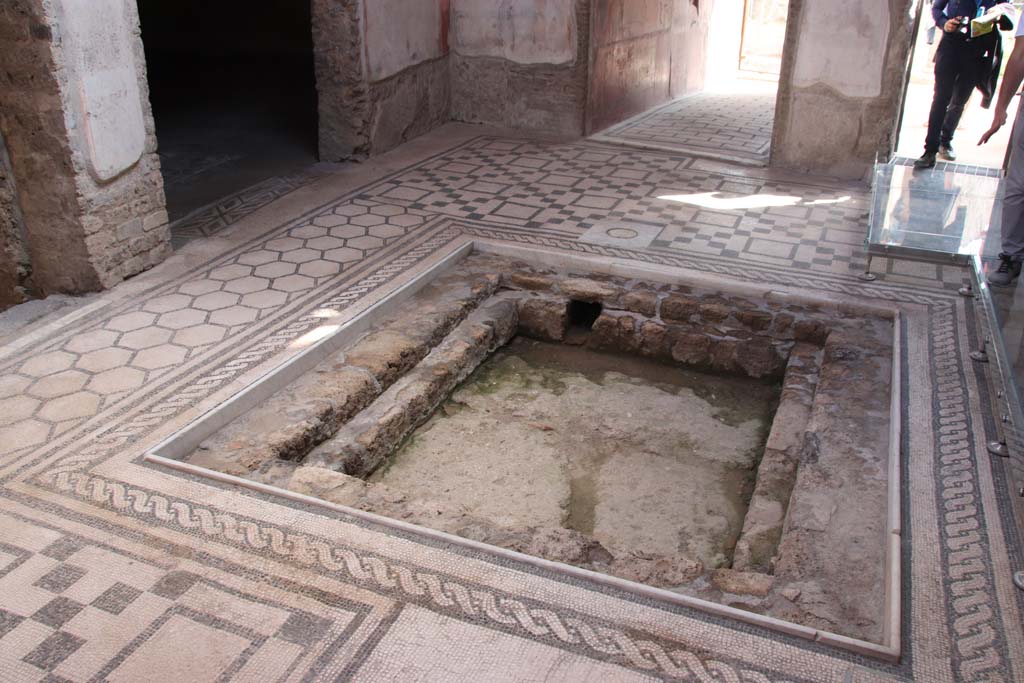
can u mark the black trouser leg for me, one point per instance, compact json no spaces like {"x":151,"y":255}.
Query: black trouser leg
{"x":948,"y":60}
{"x":961,"y":94}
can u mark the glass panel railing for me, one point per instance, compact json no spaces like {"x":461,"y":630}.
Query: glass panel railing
{"x":933,"y":215}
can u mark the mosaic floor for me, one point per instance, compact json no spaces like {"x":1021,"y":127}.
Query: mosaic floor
{"x":733,"y":124}
{"x":115,"y":569}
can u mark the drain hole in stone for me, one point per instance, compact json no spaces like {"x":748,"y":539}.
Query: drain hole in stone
{"x":583,"y":315}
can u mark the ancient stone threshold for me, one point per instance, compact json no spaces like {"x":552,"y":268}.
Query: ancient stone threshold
{"x":321,"y":429}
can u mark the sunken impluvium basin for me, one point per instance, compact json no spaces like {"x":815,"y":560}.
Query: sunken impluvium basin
{"x":715,"y":445}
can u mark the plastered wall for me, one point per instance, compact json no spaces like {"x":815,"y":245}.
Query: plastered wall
{"x":520,"y":63}
{"x":842,"y":84}
{"x":381,"y":72}
{"x":691,"y":27}
{"x":643,"y":53}
{"x":407,"y":68}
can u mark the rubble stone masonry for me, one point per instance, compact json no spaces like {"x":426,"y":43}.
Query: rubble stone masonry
{"x":15,"y":267}
{"x":81,"y":233}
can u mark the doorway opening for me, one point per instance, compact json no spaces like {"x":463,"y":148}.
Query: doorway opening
{"x":724,"y":94}
{"x":970,"y":157}
{"x":763,"y":38}
{"x":233,"y":93}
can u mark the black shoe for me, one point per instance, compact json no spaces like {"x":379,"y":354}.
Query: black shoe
{"x":926,"y":161}
{"x":946,"y":152}
{"x":1006,"y":273}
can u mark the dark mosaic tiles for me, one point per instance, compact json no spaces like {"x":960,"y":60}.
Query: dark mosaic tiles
{"x":54,"y":650}
{"x":116,"y":598}
{"x":61,"y":578}
{"x":58,"y":612}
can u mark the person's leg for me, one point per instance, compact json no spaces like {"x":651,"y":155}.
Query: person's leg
{"x":962,"y":89}
{"x":1013,"y":210}
{"x":1013,"y":200}
{"x":946,"y":58}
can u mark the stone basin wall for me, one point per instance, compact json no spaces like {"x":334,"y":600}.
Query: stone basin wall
{"x":821,"y":480}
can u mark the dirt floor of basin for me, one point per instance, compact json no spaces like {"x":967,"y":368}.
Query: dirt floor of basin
{"x":643,"y":457}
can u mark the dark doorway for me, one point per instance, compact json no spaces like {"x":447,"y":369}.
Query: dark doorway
{"x":233,"y":94}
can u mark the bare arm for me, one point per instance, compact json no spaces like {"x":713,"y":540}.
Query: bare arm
{"x":1011,"y":83}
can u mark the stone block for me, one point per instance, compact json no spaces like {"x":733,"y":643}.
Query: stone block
{"x":757,"y":321}
{"x":615,"y":332}
{"x":644,"y":302}
{"x":328,"y":485}
{"x":543,"y":318}
{"x":655,"y":341}
{"x":531,"y":281}
{"x":812,"y":331}
{"x":155,"y":220}
{"x":714,"y":312}
{"x":691,"y":348}
{"x":782,"y":326}
{"x":582,"y":289}
{"x":758,"y":358}
{"x":678,"y":308}
{"x":742,"y":583}
{"x":724,"y":354}
{"x":387,"y":354}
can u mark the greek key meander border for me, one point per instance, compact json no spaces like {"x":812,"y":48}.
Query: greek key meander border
{"x":952,"y":399}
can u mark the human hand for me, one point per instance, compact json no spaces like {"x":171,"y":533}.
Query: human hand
{"x":998,"y":119}
{"x":951,"y":25}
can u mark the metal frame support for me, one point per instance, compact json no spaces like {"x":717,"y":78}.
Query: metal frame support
{"x":998,"y":449}
{"x":967,"y":291}
{"x":867,"y":275}
{"x":981,"y":355}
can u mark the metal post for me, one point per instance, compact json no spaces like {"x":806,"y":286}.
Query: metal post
{"x":981,"y":356}
{"x":967,"y":291}
{"x":867,"y":275}
{"x":998,"y":449}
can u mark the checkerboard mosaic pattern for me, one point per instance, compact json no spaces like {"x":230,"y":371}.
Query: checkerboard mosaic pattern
{"x":704,"y":208}
{"x":114,"y":569}
{"x":78,"y":611}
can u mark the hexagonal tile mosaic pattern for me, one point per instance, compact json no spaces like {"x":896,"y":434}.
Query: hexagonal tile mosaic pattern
{"x":135,"y":347}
